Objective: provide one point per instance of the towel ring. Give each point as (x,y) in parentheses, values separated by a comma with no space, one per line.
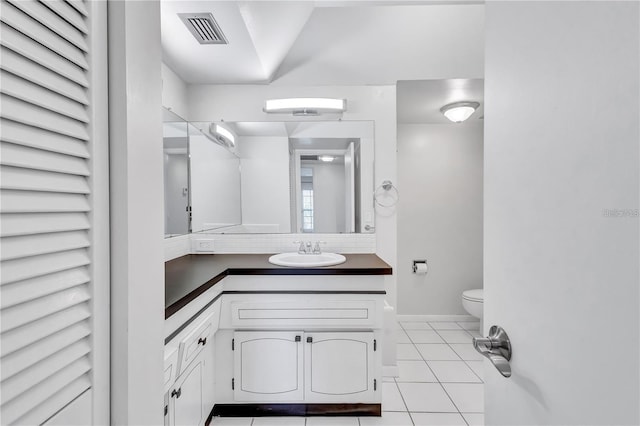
(386,190)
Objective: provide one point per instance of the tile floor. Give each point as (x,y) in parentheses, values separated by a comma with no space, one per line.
(440,383)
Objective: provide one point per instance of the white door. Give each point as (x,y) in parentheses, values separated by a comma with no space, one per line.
(561,220)
(339,367)
(268,366)
(186,396)
(54,160)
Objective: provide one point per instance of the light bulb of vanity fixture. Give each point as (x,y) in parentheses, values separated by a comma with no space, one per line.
(223,134)
(305,106)
(326,158)
(459,111)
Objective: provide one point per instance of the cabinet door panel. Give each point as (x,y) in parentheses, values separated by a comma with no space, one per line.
(268,366)
(187,398)
(339,366)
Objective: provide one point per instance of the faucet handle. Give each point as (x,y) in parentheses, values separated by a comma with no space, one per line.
(301,248)
(316,248)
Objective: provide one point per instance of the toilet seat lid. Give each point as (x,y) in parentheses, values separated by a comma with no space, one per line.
(475,295)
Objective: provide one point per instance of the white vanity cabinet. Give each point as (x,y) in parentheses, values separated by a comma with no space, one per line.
(190,354)
(274,366)
(307,346)
(186,397)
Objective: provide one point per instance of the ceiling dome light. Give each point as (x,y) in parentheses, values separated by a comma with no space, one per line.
(459,111)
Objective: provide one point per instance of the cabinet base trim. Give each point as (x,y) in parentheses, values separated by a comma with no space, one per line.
(264,410)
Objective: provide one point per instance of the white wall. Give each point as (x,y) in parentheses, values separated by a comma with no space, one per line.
(328,203)
(265,181)
(136,186)
(439,215)
(376,103)
(562,146)
(215,184)
(174,92)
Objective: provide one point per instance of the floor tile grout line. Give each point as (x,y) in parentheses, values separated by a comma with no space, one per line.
(463,360)
(437,378)
(403,401)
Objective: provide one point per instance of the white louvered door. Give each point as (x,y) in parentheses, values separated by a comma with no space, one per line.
(54,211)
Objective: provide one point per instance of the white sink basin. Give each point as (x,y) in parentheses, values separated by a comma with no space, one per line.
(307,260)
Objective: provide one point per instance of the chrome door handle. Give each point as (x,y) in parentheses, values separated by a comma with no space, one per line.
(497,348)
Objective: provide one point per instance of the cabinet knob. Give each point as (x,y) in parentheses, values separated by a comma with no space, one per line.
(176,393)
(202,341)
(297,338)
(309,339)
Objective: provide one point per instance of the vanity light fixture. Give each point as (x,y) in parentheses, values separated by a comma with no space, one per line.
(459,111)
(305,106)
(222,134)
(326,158)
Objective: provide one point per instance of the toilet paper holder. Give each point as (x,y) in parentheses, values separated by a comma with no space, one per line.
(418,262)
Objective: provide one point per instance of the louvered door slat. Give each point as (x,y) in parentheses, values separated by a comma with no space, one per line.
(33,245)
(36,180)
(31,71)
(44,410)
(23,359)
(22,134)
(68,13)
(27,91)
(31,333)
(39,202)
(33,29)
(19,292)
(17,316)
(79,6)
(45,16)
(18,42)
(16,385)
(32,158)
(42,223)
(16,408)
(15,270)
(32,115)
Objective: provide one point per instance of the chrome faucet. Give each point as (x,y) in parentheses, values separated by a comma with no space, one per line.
(301,249)
(316,248)
(304,248)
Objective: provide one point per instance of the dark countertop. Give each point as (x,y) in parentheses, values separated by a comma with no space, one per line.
(189,276)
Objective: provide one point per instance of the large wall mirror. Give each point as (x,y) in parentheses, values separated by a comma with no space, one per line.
(280,177)
(176,174)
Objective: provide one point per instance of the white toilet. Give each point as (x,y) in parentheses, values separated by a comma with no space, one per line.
(472,302)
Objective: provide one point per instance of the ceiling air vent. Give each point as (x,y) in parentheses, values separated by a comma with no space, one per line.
(203,27)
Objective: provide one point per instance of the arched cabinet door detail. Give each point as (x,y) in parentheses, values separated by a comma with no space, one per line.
(339,366)
(268,366)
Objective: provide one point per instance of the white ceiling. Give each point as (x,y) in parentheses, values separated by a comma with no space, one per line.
(420,101)
(327,42)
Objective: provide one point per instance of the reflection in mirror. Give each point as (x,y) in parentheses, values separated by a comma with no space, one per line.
(215,180)
(176,174)
(295,177)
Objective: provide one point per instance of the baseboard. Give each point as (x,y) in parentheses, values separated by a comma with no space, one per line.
(266,410)
(390,371)
(436,318)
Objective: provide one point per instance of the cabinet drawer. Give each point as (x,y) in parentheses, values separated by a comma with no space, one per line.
(352,313)
(194,342)
(170,365)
